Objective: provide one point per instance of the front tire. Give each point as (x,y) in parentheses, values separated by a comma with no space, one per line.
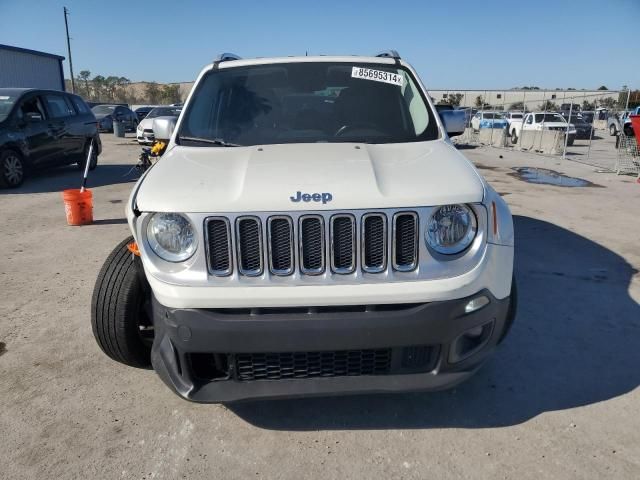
(12,169)
(613,130)
(514,138)
(120,310)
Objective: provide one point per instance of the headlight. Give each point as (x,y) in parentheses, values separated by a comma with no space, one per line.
(171,236)
(451,229)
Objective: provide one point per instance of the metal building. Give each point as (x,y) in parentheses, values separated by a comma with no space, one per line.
(23,68)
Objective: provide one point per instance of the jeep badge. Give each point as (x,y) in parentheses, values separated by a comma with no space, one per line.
(315,197)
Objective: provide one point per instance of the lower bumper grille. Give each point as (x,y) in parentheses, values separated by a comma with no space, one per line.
(246,367)
(277,366)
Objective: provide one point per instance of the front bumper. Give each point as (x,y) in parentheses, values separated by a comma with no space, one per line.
(493,272)
(426,343)
(144,137)
(584,133)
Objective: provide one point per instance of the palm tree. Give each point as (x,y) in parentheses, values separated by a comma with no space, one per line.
(83,76)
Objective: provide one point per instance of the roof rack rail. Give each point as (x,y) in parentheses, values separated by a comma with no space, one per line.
(389,54)
(225,57)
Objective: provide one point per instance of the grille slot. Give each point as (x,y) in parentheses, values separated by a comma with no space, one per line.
(249,240)
(312,250)
(278,366)
(280,245)
(374,243)
(405,244)
(343,244)
(218,243)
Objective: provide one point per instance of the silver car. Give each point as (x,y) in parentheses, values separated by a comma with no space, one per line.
(144,132)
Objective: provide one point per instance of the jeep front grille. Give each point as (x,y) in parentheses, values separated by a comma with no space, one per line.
(343,244)
(219,245)
(311,241)
(374,242)
(339,244)
(405,245)
(249,241)
(280,245)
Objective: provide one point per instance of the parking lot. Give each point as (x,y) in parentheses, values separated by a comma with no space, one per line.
(559,400)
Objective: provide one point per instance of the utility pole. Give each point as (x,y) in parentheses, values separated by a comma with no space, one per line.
(66,26)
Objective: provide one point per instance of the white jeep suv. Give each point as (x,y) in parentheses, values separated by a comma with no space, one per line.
(310,230)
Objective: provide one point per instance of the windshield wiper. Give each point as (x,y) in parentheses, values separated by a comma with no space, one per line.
(210,141)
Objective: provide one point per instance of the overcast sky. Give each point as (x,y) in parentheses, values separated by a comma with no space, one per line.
(473,44)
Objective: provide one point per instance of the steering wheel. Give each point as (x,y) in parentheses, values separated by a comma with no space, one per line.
(360,125)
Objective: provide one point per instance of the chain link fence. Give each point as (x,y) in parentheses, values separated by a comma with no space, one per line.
(577,125)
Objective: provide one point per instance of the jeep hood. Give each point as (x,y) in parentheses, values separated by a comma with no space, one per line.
(263,178)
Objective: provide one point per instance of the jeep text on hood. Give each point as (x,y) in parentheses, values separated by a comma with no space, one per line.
(309,230)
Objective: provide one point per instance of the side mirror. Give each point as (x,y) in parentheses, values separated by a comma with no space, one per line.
(453,121)
(33,117)
(163,127)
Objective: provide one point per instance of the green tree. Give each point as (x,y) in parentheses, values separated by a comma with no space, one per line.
(479,101)
(98,88)
(586,105)
(548,106)
(152,93)
(121,90)
(602,87)
(453,99)
(517,106)
(111,85)
(608,102)
(170,93)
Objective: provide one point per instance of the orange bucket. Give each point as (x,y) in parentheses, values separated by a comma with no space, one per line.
(78,206)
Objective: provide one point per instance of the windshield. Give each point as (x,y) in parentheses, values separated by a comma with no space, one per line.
(100,109)
(6,103)
(516,115)
(549,117)
(164,112)
(308,102)
(491,115)
(574,119)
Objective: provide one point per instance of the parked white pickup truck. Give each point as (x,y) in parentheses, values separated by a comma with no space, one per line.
(309,230)
(541,121)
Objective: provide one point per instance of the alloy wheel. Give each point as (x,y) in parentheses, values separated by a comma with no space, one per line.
(13,170)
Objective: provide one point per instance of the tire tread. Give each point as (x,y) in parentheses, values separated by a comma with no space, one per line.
(114,305)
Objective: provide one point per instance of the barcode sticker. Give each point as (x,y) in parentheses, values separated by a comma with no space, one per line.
(377,75)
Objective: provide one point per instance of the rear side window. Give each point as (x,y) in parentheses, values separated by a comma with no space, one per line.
(31,105)
(58,106)
(81,107)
